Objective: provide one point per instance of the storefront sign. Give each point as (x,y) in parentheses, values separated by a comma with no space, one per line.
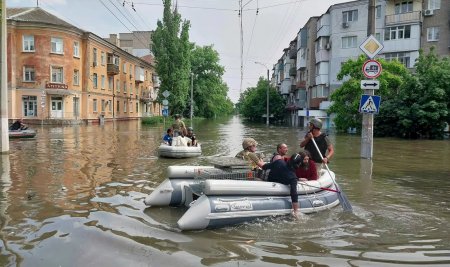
(56,86)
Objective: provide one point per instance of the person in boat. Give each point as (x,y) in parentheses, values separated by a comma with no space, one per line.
(18,125)
(249,154)
(283,172)
(168,137)
(190,134)
(282,150)
(178,126)
(323,142)
(306,169)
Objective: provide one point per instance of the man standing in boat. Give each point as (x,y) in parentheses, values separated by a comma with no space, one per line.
(178,126)
(322,141)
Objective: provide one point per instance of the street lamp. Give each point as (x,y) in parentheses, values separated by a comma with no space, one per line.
(268,86)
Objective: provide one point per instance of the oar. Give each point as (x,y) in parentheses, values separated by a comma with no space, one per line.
(346,206)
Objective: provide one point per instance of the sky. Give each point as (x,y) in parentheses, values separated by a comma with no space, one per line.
(268,26)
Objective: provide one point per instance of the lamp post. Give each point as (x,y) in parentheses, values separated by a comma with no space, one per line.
(268,86)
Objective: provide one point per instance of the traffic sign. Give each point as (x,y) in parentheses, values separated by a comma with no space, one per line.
(165,107)
(369,104)
(165,102)
(166,94)
(371,46)
(372,69)
(165,112)
(370,84)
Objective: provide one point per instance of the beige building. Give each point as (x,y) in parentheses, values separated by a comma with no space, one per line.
(61,74)
(436,27)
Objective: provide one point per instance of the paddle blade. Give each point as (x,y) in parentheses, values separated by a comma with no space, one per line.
(346,206)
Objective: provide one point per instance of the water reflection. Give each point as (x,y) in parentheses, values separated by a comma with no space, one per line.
(73,197)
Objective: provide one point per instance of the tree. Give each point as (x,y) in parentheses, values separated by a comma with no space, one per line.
(171,48)
(210,92)
(347,97)
(253,101)
(422,103)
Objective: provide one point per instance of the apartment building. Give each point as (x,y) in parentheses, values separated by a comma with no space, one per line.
(436,27)
(61,74)
(402,26)
(137,43)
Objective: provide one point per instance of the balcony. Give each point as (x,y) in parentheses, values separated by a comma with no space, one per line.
(112,69)
(293,71)
(139,75)
(409,17)
(301,84)
(293,52)
(293,88)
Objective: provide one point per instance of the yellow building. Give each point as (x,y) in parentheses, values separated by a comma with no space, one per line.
(58,73)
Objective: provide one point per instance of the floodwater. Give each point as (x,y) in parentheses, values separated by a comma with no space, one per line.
(73,196)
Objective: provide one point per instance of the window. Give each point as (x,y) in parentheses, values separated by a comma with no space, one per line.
(131,106)
(94,56)
(76,77)
(118,86)
(399,32)
(94,105)
(402,57)
(103,105)
(434,4)
(110,82)
(94,80)
(137,107)
(124,68)
(131,69)
(124,106)
(320,91)
(57,74)
(403,7)
(28,74)
(349,41)
(103,58)
(76,49)
(378,11)
(29,106)
(110,105)
(378,36)
(433,34)
(124,87)
(117,108)
(28,43)
(103,82)
(351,15)
(57,45)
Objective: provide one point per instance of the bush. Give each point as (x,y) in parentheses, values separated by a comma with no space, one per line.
(152,120)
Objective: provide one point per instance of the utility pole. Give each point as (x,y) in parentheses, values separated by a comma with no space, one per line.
(192,94)
(367,120)
(3,83)
(268,87)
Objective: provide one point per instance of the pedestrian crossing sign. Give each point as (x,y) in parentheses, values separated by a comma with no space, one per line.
(369,104)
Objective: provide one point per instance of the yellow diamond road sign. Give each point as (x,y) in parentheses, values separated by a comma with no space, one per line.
(371,46)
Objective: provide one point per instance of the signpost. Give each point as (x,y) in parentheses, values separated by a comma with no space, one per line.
(369,103)
(370,84)
(165,110)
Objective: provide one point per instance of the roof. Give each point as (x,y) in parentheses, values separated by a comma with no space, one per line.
(37,15)
(149,58)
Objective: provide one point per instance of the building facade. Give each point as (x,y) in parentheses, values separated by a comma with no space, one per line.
(61,74)
(324,43)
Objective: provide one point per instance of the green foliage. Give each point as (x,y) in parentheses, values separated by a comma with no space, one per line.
(171,48)
(152,120)
(210,92)
(412,105)
(253,102)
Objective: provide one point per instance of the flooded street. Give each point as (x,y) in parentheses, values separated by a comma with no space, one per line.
(73,196)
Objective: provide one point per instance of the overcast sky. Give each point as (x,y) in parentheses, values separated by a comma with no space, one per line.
(268,26)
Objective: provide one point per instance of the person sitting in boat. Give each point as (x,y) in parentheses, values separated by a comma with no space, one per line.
(249,154)
(282,150)
(168,137)
(307,168)
(18,125)
(284,172)
(190,134)
(178,126)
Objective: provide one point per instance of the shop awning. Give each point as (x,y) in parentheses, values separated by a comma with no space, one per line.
(58,92)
